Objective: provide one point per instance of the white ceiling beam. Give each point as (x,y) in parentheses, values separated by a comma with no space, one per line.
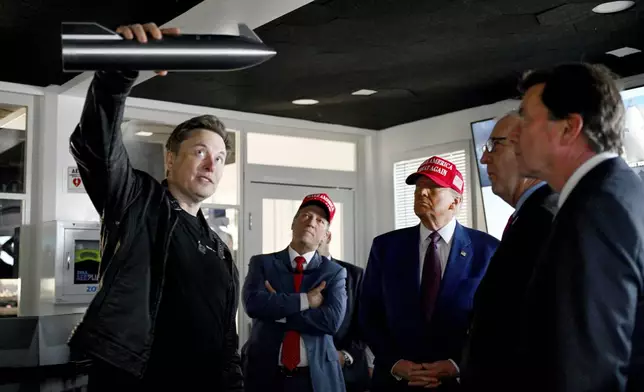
(14,116)
(207,17)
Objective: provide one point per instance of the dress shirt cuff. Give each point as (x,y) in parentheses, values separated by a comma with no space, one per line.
(304,302)
(282,320)
(458,370)
(370,357)
(350,361)
(392,371)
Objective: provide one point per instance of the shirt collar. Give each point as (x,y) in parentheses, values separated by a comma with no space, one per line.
(581,172)
(525,196)
(446,232)
(292,254)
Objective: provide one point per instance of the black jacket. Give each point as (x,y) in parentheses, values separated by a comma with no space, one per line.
(490,352)
(138,216)
(583,319)
(348,337)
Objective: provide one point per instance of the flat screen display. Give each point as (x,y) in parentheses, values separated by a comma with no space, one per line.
(496,210)
(87,260)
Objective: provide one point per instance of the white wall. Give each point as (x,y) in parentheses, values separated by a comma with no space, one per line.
(427,137)
(62,113)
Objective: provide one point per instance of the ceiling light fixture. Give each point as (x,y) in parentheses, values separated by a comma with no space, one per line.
(623,52)
(144,133)
(613,6)
(364,92)
(305,102)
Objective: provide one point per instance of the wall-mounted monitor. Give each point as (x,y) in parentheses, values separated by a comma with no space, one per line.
(634,129)
(498,211)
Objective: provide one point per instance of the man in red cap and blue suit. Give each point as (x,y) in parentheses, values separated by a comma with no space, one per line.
(419,286)
(297,300)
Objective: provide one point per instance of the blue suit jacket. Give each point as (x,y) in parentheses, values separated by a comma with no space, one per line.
(390,309)
(316,326)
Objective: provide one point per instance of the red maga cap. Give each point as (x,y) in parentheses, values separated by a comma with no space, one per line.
(441,171)
(323,200)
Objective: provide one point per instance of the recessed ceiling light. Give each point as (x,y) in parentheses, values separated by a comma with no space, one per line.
(622,52)
(143,133)
(305,102)
(613,6)
(364,92)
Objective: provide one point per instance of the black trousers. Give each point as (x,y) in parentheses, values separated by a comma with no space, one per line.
(104,377)
(297,381)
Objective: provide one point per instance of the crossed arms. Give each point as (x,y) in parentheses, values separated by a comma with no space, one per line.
(323,318)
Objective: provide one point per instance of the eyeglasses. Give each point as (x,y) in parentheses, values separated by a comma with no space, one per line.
(491,143)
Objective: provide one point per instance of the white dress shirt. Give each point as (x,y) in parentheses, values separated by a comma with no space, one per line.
(444,247)
(304,305)
(581,172)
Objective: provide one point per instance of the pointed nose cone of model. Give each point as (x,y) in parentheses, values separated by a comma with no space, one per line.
(91,47)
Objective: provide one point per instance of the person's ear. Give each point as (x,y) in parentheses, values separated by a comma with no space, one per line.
(328,237)
(170,157)
(573,126)
(455,203)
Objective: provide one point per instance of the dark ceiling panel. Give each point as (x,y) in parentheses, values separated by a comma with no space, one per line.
(425,58)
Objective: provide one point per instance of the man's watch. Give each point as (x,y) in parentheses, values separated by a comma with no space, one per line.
(348,360)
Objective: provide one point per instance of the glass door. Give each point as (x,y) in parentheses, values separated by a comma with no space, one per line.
(270,210)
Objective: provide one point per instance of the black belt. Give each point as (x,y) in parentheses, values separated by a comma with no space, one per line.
(297,372)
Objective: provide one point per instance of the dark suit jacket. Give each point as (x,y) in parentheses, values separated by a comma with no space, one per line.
(489,356)
(348,337)
(583,327)
(390,309)
(316,326)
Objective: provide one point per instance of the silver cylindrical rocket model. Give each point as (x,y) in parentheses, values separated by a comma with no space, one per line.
(90,47)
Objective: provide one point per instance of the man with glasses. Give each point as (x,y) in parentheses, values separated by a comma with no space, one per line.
(492,340)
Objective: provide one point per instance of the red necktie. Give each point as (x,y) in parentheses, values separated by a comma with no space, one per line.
(431,280)
(291,343)
(507,226)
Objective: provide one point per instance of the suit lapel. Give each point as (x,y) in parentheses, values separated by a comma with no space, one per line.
(283,264)
(310,274)
(409,263)
(457,263)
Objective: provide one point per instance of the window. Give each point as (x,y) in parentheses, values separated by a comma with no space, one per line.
(13,127)
(10,222)
(15,147)
(404,194)
(307,153)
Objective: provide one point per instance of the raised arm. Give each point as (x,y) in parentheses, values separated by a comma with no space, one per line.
(259,303)
(327,318)
(97,144)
